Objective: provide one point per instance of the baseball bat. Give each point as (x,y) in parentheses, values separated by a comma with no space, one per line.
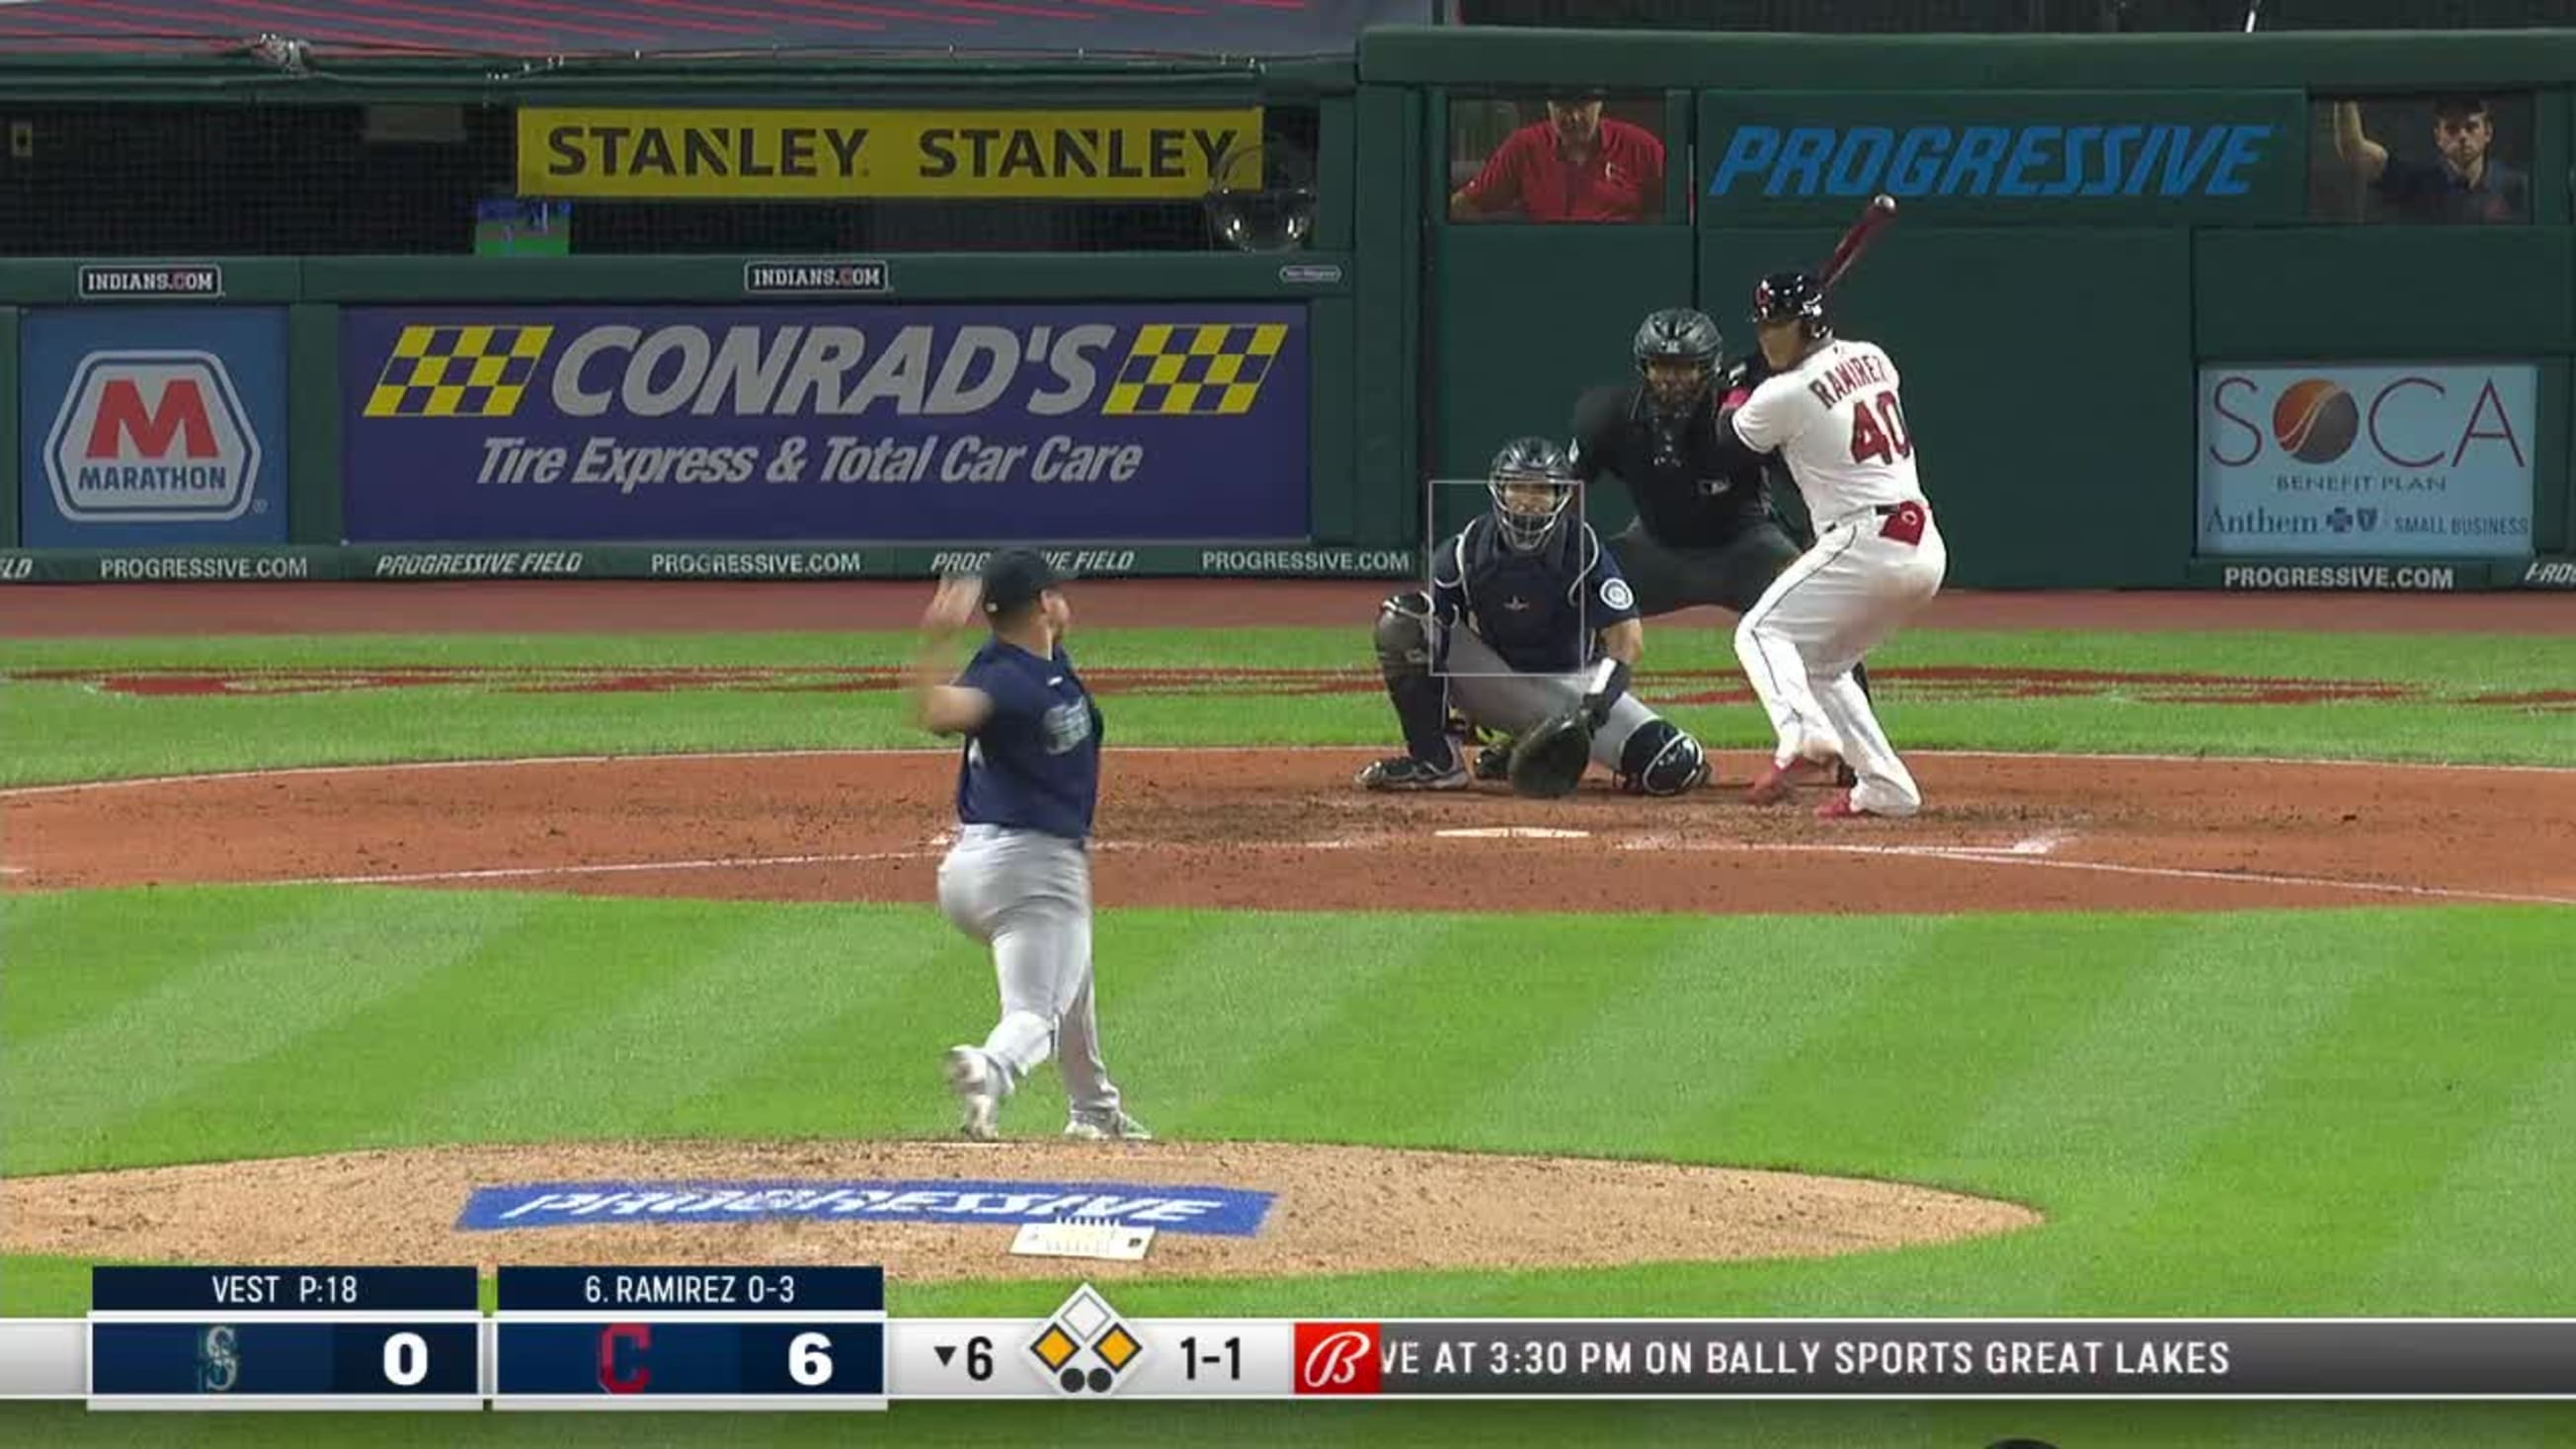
(1880,211)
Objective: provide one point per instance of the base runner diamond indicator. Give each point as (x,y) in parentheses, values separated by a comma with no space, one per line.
(1084,1345)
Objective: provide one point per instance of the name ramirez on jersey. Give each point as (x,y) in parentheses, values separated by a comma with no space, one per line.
(1837,420)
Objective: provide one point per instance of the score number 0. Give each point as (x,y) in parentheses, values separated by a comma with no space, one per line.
(406,1360)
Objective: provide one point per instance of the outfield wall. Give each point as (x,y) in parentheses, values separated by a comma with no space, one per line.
(2100,345)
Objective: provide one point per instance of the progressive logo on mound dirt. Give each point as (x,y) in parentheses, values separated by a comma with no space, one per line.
(1215,1211)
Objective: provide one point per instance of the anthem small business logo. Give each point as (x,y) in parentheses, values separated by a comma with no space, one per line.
(1339,1358)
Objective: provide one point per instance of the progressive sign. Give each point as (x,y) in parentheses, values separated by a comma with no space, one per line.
(1975,158)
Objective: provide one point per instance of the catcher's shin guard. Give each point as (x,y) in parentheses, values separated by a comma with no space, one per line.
(1421,698)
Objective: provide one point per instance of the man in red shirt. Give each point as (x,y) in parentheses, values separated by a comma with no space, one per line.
(1577,165)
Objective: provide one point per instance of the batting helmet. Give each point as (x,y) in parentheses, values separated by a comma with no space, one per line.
(1532,481)
(1792,297)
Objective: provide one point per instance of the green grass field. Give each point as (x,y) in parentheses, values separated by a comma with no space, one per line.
(2336,1113)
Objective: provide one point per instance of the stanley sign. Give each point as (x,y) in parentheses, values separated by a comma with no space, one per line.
(768,155)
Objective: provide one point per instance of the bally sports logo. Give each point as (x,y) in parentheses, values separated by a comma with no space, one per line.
(152,437)
(1339,1358)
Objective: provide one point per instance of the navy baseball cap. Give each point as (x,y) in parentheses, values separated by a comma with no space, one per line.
(1014,577)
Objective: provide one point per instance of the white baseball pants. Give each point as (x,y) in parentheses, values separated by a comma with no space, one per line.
(1028,894)
(1836,603)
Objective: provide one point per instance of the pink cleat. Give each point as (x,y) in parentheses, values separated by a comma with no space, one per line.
(1840,807)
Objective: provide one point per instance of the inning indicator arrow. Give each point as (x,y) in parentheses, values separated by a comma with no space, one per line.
(946,1351)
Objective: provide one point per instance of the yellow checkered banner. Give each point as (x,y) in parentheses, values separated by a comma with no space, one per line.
(925,423)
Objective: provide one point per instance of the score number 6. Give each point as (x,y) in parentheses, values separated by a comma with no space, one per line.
(809,1360)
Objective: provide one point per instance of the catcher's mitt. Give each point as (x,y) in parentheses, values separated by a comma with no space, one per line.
(1550,760)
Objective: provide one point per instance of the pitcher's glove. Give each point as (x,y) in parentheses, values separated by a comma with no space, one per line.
(1550,760)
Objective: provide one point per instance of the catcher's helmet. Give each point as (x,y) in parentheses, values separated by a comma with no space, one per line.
(1677,334)
(1532,481)
(1792,297)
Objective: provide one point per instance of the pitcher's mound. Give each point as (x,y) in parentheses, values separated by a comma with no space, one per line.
(1334,1210)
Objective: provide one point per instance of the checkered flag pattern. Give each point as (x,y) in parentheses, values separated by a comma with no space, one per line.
(1206,369)
(458,372)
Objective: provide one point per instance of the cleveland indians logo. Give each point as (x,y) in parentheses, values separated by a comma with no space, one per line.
(622,1350)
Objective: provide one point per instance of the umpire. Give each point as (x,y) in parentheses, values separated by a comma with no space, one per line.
(1704,534)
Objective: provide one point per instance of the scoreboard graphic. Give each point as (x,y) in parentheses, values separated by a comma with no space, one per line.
(818,1338)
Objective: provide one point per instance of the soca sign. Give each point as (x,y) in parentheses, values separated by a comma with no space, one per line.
(2431,460)
(923,424)
(157,428)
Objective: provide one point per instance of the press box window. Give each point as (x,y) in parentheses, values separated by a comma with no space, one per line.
(1571,155)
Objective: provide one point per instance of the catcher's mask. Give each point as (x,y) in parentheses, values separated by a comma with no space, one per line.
(1532,482)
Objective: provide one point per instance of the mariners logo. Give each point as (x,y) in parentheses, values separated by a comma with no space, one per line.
(1616,594)
(458,372)
(152,437)
(218,1359)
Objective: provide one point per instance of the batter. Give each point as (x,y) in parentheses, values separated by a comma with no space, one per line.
(1832,410)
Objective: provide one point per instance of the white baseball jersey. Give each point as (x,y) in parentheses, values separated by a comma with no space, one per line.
(1836,419)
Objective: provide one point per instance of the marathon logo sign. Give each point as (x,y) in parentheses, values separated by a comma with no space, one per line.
(1206,1211)
(151,437)
(928,423)
(832,155)
(152,427)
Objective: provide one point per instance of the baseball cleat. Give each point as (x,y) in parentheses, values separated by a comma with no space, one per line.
(1845,776)
(1106,1127)
(1404,772)
(1776,780)
(1840,807)
(979,1092)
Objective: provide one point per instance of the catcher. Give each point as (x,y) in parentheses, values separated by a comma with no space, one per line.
(1531,631)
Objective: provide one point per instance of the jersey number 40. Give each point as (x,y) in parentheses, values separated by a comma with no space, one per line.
(1878,430)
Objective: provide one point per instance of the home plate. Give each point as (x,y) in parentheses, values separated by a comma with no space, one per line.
(1514,832)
